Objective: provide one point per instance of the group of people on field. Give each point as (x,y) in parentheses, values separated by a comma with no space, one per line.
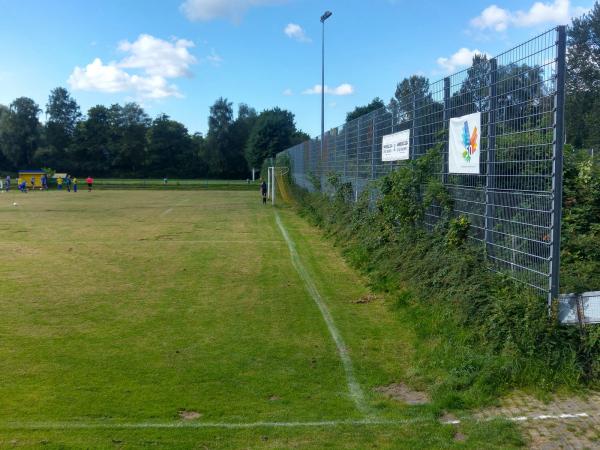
(68,181)
(71,182)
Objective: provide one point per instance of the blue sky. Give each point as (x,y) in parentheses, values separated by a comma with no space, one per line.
(178,56)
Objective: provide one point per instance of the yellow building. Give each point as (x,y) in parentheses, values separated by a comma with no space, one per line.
(27,175)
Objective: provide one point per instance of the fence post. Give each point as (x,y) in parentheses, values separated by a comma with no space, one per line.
(446,120)
(373,150)
(357,150)
(490,172)
(345,152)
(413,131)
(557,162)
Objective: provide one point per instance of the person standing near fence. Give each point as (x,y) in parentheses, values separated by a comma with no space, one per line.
(7,183)
(74,184)
(263,191)
(90,182)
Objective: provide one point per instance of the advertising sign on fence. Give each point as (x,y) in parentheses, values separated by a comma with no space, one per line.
(463,148)
(396,147)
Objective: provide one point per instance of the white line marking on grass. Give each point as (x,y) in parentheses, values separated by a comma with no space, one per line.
(169,210)
(248,425)
(559,417)
(356,391)
(224,425)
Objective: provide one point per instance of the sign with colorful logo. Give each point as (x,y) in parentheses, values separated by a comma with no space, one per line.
(464,148)
(396,147)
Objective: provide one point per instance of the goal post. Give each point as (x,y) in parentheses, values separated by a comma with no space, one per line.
(274,181)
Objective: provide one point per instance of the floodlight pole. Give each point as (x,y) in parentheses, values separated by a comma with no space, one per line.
(324,17)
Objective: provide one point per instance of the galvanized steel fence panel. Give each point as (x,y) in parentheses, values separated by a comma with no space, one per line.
(514,203)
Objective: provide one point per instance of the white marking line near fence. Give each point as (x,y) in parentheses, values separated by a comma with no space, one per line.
(559,417)
(169,210)
(249,425)
(356,391)
(195,425)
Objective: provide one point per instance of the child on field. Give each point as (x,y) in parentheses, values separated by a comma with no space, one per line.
(59,183)
(74,184)
(90,182)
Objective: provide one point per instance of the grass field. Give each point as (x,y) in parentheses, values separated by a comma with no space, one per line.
(185,184)
(124,310)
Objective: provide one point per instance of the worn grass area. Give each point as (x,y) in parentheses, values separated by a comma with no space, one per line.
(129,307)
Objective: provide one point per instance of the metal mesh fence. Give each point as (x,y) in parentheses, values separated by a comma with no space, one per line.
(513,204)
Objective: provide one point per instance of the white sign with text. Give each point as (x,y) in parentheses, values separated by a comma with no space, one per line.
(396,147)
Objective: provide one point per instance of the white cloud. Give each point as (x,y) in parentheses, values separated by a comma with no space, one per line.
(214,58)
(158,57)
(205,10)
(462,58)
(540,13)
(294,31)
(110,78)
(492,17)
(342,89)
(153,62)
(288,92)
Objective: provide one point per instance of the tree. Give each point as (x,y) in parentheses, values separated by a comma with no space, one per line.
(219,139)
(129,124)
(63,114)
(20,132)
(240,132)
(583,80)
(274,132)
(91,151)
(475,90)
(408,92)
(5,164)
(170,149)
(376,104)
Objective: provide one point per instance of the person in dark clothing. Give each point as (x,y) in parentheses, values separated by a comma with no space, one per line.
(263,191)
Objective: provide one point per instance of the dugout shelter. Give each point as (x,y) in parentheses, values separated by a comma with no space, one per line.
(27,175)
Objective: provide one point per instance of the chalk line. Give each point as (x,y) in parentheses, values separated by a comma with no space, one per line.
(356,391)
(266,424)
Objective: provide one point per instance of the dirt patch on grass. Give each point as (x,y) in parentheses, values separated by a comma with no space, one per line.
(367,298)
(459,437)
(402,393)
(189,415)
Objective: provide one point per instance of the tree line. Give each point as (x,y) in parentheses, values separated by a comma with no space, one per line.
(124,141)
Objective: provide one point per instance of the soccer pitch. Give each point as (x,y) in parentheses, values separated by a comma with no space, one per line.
(190,319)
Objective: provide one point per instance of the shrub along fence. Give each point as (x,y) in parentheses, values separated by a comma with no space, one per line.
(499,128)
